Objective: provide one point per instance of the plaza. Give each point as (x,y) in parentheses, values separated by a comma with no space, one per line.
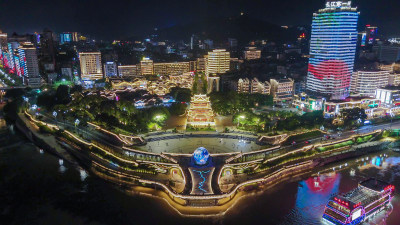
(214,142)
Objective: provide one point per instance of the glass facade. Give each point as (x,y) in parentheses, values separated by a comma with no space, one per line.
(332,50)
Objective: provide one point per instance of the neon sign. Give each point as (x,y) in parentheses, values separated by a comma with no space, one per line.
(343,203)
(337,4)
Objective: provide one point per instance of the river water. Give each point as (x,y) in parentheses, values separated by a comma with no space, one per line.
(36,189)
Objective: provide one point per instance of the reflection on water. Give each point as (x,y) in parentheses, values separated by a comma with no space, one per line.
(312,195)
(37,189)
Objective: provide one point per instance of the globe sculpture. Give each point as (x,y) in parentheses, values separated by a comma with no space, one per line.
(201,156)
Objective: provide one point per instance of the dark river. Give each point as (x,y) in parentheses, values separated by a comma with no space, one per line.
(35,189)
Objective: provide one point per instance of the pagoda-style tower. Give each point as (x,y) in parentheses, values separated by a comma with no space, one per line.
(200,113)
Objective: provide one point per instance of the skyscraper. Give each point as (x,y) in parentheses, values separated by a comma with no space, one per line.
(332,49)
(28,63)
(65,38)
(218,61)
(47,47)
(146,66)
(90,65)
(110,69)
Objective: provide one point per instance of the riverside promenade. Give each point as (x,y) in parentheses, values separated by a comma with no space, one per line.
(171,179)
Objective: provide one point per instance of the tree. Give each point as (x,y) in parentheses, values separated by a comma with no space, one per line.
(177,108)
(46,100)
(353,116)
(76,88)
(15,93)
(181,94)
(62,95)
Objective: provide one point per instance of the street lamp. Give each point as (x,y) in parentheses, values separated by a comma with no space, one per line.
(55,116)
(76,123)
(240,117)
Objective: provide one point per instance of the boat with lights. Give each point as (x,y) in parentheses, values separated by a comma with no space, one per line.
(358,205)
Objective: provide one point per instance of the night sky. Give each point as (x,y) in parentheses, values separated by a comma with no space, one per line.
(109,19)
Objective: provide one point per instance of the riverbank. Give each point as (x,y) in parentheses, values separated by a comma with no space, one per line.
(188,205)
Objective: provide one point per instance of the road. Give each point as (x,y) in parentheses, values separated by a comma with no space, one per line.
(88,132)
(93,134)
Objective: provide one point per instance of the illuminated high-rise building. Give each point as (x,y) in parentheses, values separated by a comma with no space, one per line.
(146,66)
(28,64)
(129,71)
(218,61)
(332,49)
(47,47)
(110,69)
(91,68)
(65,38)
(171,68)
(252,53)
(365,82)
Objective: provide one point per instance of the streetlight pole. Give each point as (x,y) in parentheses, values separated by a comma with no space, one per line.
(240,117)
(76,124)
(55,117)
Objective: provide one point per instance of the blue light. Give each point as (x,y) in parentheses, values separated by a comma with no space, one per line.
(200,187)
(201,156)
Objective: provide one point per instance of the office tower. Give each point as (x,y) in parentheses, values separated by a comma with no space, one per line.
(129,71)
(252,53)
(332,49)
(13,57)
(110,69)
(28,64)
(282,90)
(218,61)
(201,64)
(194,42)
(75,36)
(365,82)
(175,68)
(192,66)
(90,65)
(65,38)
(386,53)
(146,66)
(47,48)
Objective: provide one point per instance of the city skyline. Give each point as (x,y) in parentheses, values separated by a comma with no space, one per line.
(124,19)
(283,112)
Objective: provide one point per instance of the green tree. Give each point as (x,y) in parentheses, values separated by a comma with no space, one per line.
(353,116)
(62,95)
(180,94)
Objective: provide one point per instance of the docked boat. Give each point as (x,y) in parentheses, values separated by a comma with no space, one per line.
(358,205)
